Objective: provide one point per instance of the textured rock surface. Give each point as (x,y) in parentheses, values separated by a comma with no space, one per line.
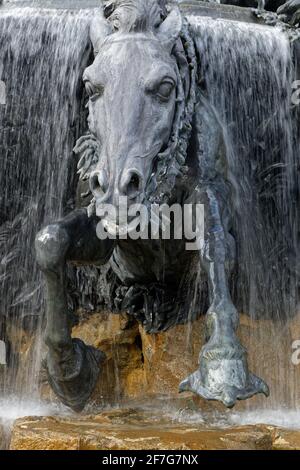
(286,439)
(139,366)
(130,430)
(119,338)
(2,436)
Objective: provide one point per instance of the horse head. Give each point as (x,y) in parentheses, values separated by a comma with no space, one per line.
(141,89)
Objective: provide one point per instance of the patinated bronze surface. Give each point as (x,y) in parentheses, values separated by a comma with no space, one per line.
(153,138)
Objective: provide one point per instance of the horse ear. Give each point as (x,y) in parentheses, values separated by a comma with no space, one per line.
(99,30)
(170,28)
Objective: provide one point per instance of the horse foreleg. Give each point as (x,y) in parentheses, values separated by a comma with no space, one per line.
(72,367)
(223,371)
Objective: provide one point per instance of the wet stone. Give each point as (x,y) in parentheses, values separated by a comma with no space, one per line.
(131,430)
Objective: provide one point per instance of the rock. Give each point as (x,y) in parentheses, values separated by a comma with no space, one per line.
(43,434)
(269,346)
(20,354)
(171,356)
(119,338)
(140,365)
(131,430)
(3,436)
(284,439)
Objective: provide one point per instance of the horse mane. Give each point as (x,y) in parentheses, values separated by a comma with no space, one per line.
(146,15)
(134,15)
(171,162)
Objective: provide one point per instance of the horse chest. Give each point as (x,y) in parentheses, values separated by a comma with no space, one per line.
(149,261)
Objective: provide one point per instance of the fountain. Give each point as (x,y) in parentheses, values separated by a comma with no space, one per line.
(235,129)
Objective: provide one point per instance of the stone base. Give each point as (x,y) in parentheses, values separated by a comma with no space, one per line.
(143,371)
(136,430)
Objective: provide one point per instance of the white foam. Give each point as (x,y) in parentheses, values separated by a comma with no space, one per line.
(283,418)
(14,407)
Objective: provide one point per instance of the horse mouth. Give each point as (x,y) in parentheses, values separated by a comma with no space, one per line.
(117,229)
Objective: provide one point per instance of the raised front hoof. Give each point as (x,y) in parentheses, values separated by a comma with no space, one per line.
(74,382)
(224,380)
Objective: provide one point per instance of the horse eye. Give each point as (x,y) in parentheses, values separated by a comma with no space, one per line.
(92,91)
(165,89)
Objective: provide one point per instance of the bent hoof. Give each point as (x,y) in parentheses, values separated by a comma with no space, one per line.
(75,384)
(225,379)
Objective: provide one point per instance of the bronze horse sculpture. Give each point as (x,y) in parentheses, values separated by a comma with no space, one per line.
(152,138)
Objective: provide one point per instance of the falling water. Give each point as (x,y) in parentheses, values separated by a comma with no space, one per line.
(248,72)
(42,56)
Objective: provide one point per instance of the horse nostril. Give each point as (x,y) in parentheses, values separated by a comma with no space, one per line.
(134,185)
(94,183)
(98,183)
